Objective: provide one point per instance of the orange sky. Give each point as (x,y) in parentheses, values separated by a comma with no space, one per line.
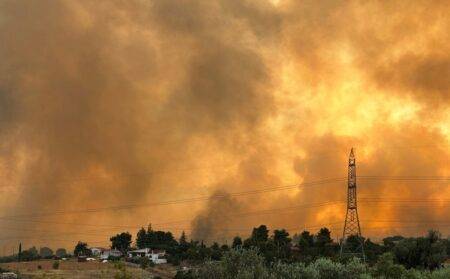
(119,106)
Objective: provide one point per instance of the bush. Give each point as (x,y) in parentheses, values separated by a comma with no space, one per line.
(122,272)
(55,264)
(235,264)
(328,269)
(386,268)
(293,271)
(243,264)
(174,260)
(144,262)
(443,273)
(113,259)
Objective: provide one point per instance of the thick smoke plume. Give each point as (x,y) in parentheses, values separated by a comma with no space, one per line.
(132,103)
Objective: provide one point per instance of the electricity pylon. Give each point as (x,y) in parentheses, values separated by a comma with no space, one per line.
(351,226)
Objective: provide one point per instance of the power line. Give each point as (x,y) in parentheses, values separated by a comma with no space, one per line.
(236,215)
(221,196)
(186,200)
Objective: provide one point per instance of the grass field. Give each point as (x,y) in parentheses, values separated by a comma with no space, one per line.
(72,269)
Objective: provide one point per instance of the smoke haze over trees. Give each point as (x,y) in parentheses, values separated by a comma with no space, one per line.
(117,103)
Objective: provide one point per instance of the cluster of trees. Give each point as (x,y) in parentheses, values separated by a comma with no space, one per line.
(145,239)
(428,252)
(249,263)
(155,239)
(32,254)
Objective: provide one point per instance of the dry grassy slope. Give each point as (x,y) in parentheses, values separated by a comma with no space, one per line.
(75,270)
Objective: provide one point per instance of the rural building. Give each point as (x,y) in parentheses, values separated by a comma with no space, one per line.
(97,251)
(110,253)
(156,256)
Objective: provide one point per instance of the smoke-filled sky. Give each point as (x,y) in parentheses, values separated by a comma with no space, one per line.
(109,109)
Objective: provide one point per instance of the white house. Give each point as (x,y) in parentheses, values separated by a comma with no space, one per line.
(156,256)
(97,251)
(110,253)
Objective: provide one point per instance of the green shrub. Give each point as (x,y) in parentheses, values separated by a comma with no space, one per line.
(385,267)
(293,271)
(249,264)
(443,273)
(55,264)
(328,269)
(122,272)
(144,262)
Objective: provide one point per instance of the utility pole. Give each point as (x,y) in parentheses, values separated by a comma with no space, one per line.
(352,229)
(19,255)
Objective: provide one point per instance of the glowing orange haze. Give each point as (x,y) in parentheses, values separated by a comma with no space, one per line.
(113,103)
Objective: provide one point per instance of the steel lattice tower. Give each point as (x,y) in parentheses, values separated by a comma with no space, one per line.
(351,225)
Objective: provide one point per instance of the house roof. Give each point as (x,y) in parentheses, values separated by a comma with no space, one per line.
(145,250)
(99,248)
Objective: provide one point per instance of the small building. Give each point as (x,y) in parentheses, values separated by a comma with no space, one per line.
(97,251)
(110,253)
(156,256)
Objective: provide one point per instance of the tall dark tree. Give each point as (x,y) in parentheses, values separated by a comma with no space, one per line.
(19,256)
(260,234)
(323,242)
(281,237)
(259,237)
(323,237)
(282,242)
(306,240)
(121,242)
(183,240)
(141,238)
(81,249)
(237,242)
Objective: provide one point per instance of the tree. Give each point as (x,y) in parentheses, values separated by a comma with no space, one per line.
(437,251)
(81,249)
(260,234)
(427,252)
(306,246)
(183,243)
(61,253)
(306,240)
(237,242)
(216,252)
(30,254)
(323,237)
(389,242)
(372,251)
(45,252)
(258,238)
(183,240)
(281,240)
(141,238)
(281,237)
(324,243)
(121,242)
